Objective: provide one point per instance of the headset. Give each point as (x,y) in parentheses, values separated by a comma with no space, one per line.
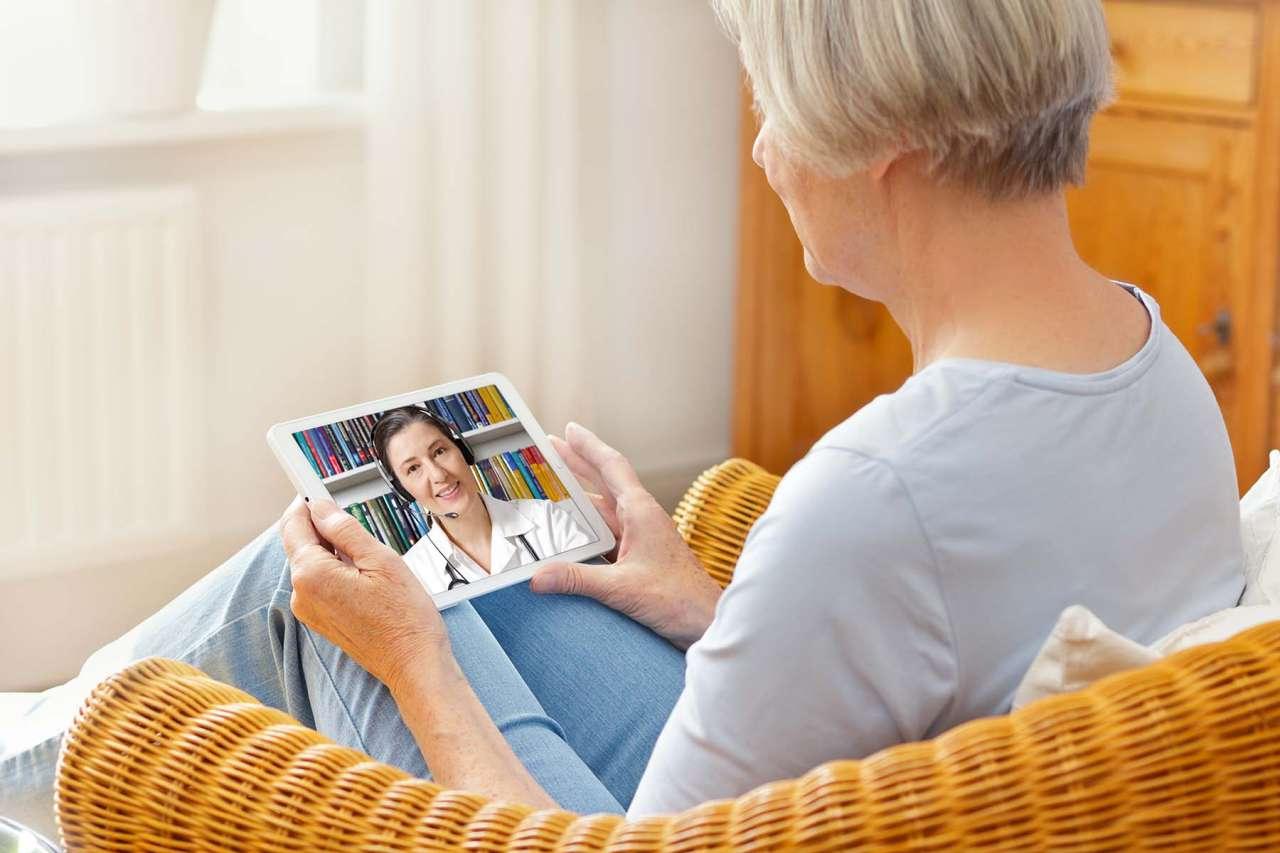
(456,578)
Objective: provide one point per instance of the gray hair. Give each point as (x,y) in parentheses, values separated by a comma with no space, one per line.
(998,93)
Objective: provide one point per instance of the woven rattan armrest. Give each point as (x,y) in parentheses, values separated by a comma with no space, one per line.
(719,508)
(1183,754)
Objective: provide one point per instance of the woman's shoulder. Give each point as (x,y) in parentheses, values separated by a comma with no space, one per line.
(893,422)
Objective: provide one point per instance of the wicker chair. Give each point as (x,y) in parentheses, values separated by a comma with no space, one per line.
(1184,754)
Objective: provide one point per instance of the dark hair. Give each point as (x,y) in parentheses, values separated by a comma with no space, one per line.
(393,421)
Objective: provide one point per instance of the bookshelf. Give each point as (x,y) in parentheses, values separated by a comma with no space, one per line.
(363,483)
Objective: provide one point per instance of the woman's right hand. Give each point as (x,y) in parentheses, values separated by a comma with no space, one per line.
(656,579)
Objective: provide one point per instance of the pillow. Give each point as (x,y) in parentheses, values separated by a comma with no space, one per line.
(1081,648)
(1259,522)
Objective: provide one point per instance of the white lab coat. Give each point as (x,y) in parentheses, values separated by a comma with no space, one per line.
(550,529)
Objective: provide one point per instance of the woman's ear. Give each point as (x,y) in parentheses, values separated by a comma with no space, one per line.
(883,165)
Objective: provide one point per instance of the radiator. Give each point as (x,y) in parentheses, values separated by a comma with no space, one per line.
(100,350)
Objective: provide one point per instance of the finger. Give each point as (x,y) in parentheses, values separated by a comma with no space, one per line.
(296,530)
(616,473)
(588,476)
(341,529)
(608,511)
(573,579)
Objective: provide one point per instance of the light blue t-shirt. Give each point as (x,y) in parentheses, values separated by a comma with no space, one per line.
(911,565)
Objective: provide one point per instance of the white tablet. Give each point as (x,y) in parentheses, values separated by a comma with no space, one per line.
(459,479)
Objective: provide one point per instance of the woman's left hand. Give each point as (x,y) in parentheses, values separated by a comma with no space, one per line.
(373,607)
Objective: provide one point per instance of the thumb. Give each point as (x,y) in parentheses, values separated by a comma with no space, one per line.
(572,579)
(341,530)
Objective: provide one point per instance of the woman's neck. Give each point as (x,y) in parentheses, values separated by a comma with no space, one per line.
(1003,282)
(471,531)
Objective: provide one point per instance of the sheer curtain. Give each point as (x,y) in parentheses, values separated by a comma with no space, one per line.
(480,195)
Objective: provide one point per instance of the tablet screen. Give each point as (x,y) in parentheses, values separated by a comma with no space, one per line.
(455,482)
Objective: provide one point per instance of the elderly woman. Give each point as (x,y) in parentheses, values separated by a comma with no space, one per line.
(1055,445)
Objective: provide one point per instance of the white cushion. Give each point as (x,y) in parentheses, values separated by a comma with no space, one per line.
(1259,524)
(1081,649)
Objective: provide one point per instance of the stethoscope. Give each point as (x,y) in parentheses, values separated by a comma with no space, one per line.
(456,577)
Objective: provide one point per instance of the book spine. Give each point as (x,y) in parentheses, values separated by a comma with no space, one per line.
(407,528)
(366,440)
(357,446)
(540,473)
(527,473)
(358,511)
(507,414)
(396,542)
(318,450)
(489,419)
(480,404)
(366,434)
(419,520)
(467,406)
(458,415)
(330,452)
(488,480)
(306,451)
(500,487)
(479,478)
(518,487)
(515,481)
(490,410)
(384,532)
(366,518)
(552,477)
(344,455)
(500,476)
(466,411)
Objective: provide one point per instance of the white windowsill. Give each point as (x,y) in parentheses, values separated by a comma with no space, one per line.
(330,112)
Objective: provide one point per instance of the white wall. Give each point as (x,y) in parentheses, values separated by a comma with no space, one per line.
(671,229)
(284,237)
(283,226)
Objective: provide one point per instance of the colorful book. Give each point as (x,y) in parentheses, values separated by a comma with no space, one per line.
(344,453)
(357,443)
(380,506)
(459,415)
(465,405)
(477,403)
(321,452)
(500,402)
(523,466)
(306,451)
(330,452)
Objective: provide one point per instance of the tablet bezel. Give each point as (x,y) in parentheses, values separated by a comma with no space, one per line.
(305,480)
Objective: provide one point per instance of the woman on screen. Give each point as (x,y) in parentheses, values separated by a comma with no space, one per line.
(471,535)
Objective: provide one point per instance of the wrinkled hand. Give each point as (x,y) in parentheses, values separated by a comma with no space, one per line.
(363,599)
(656,579)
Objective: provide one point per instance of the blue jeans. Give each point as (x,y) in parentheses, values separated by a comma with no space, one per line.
(579,691)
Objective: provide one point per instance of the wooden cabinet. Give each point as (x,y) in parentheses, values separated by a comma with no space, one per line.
(1182,198)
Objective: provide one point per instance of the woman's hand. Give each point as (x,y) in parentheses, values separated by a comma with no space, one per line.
(656,579)
(372,606)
